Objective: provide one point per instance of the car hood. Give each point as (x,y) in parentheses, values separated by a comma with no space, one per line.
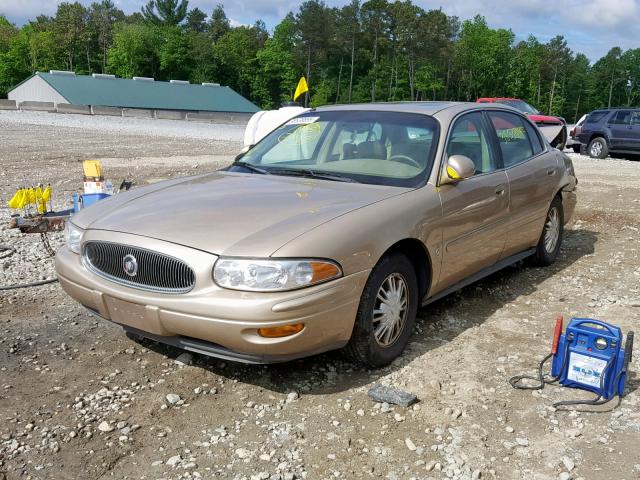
(230,213)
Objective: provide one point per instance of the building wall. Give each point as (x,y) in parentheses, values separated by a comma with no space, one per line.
(36,90)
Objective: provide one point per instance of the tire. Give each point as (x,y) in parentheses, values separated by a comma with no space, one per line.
(576,147)
(598,148)
(371,343)
(551,237)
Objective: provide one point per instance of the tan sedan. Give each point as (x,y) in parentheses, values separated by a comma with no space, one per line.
(330,232)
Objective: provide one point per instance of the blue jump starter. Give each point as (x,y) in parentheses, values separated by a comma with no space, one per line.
(590,356)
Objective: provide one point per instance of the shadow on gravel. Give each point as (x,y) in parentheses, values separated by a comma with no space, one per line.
(449,317)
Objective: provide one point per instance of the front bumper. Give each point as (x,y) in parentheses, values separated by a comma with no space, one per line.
(215,321)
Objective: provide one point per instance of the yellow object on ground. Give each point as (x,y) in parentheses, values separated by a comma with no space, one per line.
(16,200)
(92,168)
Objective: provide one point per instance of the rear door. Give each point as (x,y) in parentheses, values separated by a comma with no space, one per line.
(475,210)
(533,174)
(621,130)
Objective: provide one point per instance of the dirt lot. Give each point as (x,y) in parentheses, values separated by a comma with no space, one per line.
(78,399)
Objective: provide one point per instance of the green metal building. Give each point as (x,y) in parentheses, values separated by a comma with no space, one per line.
(140,92)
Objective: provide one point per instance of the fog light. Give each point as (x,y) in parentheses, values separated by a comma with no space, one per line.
(280,331)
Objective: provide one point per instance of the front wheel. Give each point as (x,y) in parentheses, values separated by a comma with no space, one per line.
(551,238)
(576,147)
(387,312)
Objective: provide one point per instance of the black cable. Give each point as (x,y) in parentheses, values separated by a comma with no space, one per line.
(515,381)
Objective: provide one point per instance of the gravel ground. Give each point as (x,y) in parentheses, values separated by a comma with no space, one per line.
(78,399)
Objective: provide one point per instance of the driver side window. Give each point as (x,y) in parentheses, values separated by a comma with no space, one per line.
(469,138)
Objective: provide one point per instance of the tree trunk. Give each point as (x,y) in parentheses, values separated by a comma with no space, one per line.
(575,117)
(375,68)
(553,89)
(610,90)
(306,95)
(353,49)
(339,80)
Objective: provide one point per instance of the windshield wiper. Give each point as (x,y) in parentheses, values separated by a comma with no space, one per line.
(250,166)
(313,174)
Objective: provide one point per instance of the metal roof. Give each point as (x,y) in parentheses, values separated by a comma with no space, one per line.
(121,92)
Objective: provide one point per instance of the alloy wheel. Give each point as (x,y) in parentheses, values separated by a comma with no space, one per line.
(552,230)
(390,311)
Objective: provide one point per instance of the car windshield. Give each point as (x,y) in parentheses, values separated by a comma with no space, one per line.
(521,105)
(382,148)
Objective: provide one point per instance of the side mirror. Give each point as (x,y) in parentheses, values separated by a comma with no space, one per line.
(244,150)
(458,167)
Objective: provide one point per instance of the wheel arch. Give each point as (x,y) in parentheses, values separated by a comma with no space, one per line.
(419,256)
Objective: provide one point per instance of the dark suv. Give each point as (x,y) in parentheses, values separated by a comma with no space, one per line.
(611,130)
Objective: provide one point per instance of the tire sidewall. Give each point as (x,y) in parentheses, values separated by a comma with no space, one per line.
(605,149)
(544,257)
(376,355)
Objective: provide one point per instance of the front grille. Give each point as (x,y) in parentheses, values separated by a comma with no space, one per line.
(155,271)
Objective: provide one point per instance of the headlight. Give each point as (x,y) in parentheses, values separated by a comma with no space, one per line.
(272,275)
(72,237)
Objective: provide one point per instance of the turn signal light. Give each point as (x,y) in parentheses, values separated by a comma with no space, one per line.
(280,331)
(323,271)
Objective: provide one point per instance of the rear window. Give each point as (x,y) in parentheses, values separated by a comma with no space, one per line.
(595,117)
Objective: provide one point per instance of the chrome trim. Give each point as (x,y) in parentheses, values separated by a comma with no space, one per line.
(157,272)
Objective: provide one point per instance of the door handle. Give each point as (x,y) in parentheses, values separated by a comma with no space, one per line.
(551,172)
(500,190)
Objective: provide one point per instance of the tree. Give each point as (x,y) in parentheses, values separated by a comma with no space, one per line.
(235,54)
(314,29)
(102,18)
(70,27)
(135,50)
(218,23)
(196,21)
(174,54)
(165,12)
(277,73)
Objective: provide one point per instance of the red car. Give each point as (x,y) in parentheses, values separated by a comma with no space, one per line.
(553,128)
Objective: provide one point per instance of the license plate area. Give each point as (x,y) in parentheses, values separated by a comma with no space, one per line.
(142,317)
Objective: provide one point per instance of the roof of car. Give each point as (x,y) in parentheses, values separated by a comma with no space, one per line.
(425,108)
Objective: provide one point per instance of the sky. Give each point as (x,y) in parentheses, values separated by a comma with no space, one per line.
(591,27)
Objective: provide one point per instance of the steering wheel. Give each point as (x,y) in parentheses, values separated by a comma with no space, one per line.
(405,159)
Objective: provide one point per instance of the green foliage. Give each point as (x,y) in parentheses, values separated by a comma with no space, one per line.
(135,50)
(165,12)
(377,50)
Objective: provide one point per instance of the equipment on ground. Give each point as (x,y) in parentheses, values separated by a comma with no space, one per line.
(37,214)
(589,356)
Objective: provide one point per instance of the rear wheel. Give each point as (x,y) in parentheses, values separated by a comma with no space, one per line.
(576,147)
(387,312)
(551,238)
(598,148)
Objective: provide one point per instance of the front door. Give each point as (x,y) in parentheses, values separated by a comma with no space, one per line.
(475,210)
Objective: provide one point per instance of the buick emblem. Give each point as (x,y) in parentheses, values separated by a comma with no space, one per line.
(130,265)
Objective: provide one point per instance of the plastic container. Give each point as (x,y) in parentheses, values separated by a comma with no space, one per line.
(91,198)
